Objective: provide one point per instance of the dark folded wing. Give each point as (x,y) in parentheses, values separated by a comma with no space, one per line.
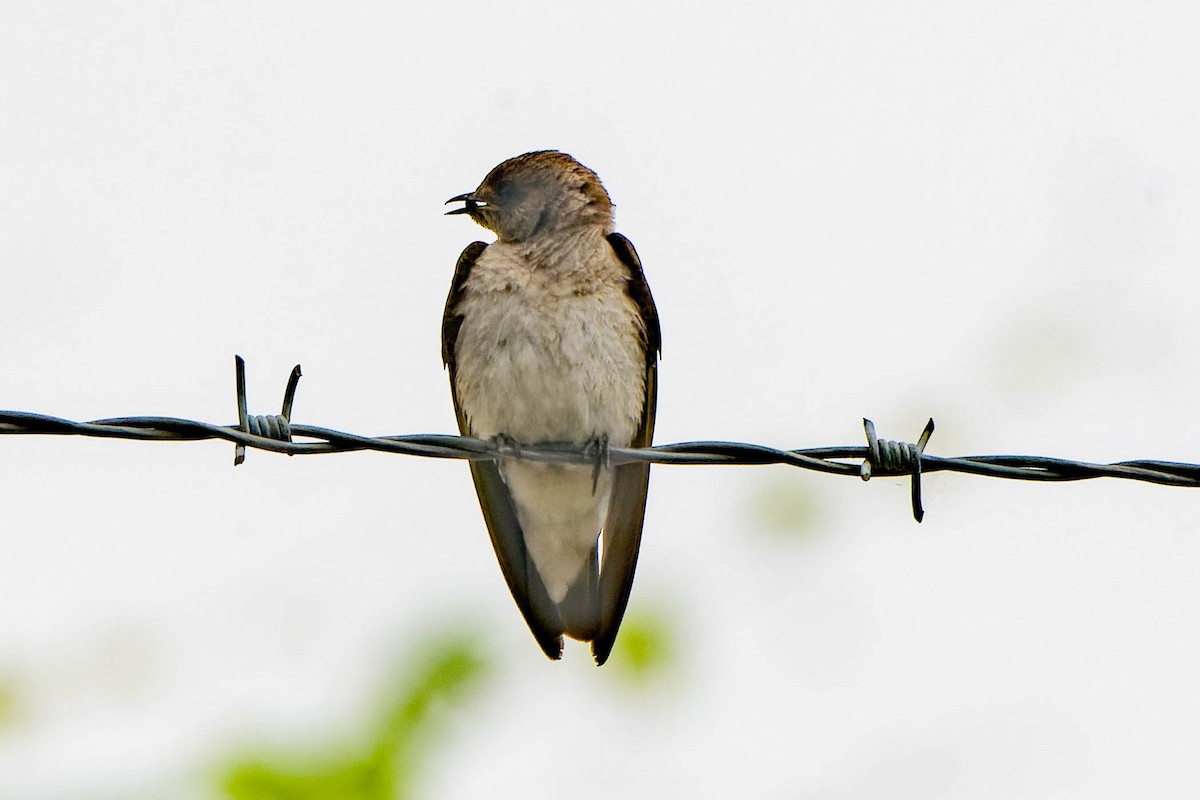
(627,510)
(499,514)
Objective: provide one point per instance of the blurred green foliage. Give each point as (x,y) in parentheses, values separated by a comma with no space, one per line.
(9,700)
(645,649)
(444,675)
(785,509)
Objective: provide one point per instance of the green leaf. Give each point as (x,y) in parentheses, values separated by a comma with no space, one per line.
(442,675)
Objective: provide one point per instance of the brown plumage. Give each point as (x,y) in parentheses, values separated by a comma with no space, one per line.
(551,334)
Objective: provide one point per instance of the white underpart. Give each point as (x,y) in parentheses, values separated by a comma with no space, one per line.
(561,518)
(549,351)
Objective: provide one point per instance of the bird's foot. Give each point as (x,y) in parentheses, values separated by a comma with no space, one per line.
(597,450)
(505,445)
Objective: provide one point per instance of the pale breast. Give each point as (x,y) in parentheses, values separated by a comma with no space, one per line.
(552,352)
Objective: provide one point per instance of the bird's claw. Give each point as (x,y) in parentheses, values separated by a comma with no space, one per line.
(505,445)
(597,450)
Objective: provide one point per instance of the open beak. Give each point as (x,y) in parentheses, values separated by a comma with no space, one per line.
(468,199)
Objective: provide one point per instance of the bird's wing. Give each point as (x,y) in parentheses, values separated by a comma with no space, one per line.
(627,509)
(499,513)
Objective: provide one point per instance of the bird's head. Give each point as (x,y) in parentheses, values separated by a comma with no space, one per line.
(535,194)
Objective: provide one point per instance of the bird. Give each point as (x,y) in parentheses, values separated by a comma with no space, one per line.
(550,335)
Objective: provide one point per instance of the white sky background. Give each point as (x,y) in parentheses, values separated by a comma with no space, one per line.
(988,214)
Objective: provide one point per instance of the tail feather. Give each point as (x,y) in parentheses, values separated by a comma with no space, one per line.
(579,609)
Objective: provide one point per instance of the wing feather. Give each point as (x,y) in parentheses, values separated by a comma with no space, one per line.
(627,509)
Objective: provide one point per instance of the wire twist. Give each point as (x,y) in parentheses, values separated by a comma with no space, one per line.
(896,458)
(270,426)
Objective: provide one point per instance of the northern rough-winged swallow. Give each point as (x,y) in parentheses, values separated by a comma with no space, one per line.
(551,335)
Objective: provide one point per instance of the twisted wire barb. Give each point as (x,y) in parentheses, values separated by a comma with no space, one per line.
(879,458)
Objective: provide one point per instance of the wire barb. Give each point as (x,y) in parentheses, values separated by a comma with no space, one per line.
(269,426)
(896,458)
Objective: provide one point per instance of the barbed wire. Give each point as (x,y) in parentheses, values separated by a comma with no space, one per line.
(879,458)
